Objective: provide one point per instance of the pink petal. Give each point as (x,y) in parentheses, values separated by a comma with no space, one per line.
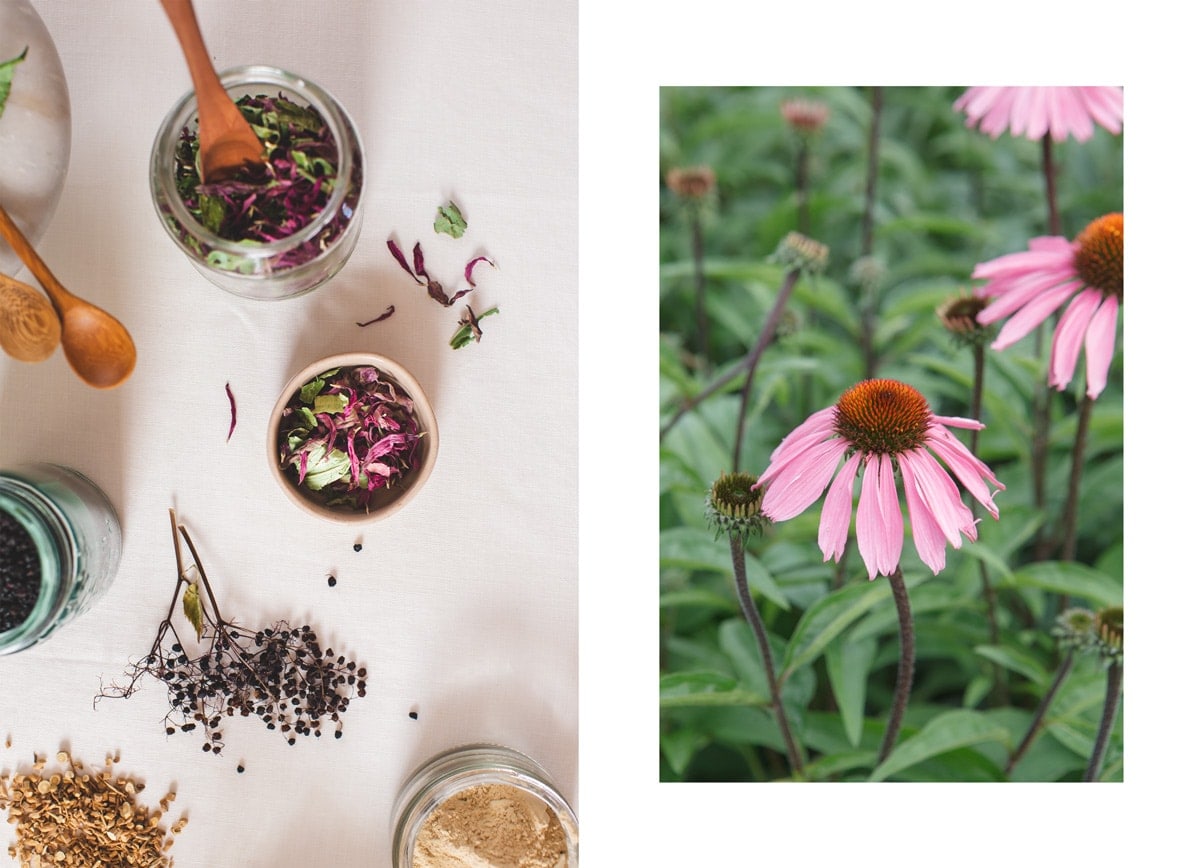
(813,430)
(801,481)
(892,538)
(1100,344)
(1047,251)
(1028,317)
(938,491)
(958,422)
(1106,105)
(970,471)
(870,523)
(835,515)
(1034,112)
(1068,337)
(928,537)
(1014,293)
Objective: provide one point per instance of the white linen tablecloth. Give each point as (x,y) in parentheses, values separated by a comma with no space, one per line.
(463,606)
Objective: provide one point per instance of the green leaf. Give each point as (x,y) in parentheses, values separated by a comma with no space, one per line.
(946,732)
(326,467)
(1072,579)
(191,608)
(7,68)
(332,404)
(684,689)
(696,549)
(310,390)
(449,221)
(1016,659)
(848,664)
(828,618)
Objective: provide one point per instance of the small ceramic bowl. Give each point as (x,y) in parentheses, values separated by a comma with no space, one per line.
(384,501)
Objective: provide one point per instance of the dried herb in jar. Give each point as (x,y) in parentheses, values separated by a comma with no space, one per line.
(261,204)
(20,573)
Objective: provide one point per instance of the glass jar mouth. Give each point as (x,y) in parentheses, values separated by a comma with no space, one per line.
(457,769)
(183,114)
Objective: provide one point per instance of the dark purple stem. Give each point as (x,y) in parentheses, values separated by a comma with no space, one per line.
(906,665)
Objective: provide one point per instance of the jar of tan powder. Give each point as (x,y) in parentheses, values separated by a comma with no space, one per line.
(483,806)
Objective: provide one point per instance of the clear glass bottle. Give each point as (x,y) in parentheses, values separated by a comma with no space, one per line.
(461,768)
(73,528)
(289,266)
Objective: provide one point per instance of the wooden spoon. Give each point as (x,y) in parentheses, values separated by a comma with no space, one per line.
(227,143)
(98,348)
(29,327)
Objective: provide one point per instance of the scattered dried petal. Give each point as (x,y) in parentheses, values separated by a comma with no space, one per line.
(232,412)
(391,309)
(471,267)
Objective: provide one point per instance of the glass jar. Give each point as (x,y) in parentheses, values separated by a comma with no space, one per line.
(449,774)
(289,266)
(35,126)
(69,530)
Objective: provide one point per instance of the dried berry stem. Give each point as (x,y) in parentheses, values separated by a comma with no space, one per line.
(750,611)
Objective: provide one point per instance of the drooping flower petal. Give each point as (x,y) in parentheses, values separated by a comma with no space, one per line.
(928,537)
(835,515)
(1099,344)
(970,471)
(1033,314)
(938,491)
(788,497)
(891,538)
(1068,336)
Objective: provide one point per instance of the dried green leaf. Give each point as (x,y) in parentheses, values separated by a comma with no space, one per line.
(7,68)
(191,607)
(449,221)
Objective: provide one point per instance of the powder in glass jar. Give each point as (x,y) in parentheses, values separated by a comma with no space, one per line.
(20,573)
(491,826)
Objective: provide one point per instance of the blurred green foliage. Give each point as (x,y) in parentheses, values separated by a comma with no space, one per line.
(946,198)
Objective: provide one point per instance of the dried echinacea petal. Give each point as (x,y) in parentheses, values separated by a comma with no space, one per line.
(75,816)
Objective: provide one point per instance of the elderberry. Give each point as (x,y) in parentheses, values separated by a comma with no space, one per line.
(20,573)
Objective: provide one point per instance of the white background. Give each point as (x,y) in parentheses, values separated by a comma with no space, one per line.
(626,51)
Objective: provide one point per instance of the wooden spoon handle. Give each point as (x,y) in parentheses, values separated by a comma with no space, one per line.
(182,16)
(20,244)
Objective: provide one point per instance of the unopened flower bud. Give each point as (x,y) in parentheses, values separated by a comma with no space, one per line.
(799,252)
(734,505)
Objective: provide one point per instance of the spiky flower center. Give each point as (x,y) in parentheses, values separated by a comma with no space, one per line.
(882,416)
(1111,629)
(1101,257)
(735,505)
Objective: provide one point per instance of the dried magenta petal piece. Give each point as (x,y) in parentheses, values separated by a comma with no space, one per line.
(391,309)
(232,412)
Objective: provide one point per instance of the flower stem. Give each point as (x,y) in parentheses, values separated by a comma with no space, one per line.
(1039,715)
(1111,700)
(701,307)
(802,184)
(1052,219)
(868,228)
(904,672)
(989,593)
(764,648)
(1041,397)
(764,339)
(1071,510)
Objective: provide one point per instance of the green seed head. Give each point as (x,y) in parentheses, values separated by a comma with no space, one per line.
(734,505)
(800,253)
(1110,630)
(1076,628)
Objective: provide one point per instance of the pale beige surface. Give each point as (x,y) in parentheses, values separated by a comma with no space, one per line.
(463,606)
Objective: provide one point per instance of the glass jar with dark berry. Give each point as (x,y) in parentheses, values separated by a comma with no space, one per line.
(60,544)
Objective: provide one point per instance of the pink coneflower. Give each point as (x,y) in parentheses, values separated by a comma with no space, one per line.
(1030,285)
(1034,111)
(874,424)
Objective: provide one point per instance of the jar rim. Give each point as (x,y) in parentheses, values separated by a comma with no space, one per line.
(460,768)
(340,126)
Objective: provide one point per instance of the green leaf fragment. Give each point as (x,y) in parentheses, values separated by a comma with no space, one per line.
(326,467)
(449,221)
(330,403)
(7,68)
(192,609)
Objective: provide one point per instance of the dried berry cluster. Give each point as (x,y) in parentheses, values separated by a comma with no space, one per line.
(280,674)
